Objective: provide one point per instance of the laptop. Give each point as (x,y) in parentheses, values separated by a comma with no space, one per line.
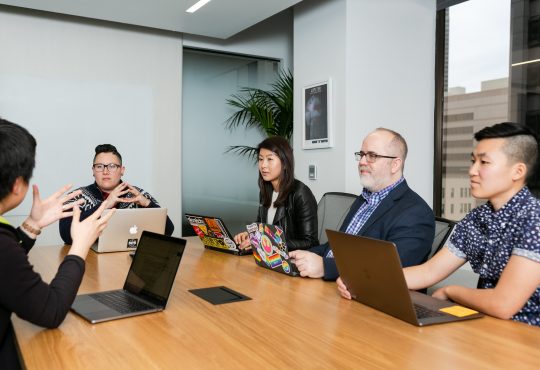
(148,282)
(125,227)
(214,234)
(270,249)
(371,270)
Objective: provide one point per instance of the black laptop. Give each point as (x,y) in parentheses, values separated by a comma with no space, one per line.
(148,283)
(371,270)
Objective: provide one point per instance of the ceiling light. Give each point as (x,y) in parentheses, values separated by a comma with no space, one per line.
(199,4)
(526,62)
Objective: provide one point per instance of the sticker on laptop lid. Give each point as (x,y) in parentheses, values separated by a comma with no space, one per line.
(458,311)
(132,243)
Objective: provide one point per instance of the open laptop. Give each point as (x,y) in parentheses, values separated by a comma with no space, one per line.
(126,225)
(148,282)
(270,249)
(372,272)
(214,234)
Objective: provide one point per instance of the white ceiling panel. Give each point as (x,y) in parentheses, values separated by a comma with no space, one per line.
(218,18)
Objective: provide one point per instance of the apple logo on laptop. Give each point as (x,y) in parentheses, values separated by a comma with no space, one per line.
(133,230)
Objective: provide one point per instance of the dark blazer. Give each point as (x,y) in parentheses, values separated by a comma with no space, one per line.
(403,218)
(297,217)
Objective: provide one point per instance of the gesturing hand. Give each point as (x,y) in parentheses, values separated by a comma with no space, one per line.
(115,196)
(84,233)
(137,198)
(46,211)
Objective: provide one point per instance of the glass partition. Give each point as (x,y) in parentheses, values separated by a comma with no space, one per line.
(216,183)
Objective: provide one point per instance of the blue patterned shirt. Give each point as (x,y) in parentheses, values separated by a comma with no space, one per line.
(366,210)
(488,238)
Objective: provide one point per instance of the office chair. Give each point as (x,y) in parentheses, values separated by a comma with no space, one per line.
(331,211)
(443,230)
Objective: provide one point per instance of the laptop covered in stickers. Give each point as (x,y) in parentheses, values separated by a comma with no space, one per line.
(214,234)
(270,248)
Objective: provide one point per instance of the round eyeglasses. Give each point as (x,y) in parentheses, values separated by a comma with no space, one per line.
(370,156)
(100,167)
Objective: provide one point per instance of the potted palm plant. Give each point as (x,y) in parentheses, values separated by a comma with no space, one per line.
(269,111)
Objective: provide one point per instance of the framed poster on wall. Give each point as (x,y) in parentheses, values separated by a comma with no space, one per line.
(317,125)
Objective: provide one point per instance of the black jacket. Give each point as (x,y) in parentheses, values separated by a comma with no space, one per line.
(297,217)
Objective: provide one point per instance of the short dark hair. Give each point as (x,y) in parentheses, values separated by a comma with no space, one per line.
(17,155)
(283,150)
(521,142)
(107,148)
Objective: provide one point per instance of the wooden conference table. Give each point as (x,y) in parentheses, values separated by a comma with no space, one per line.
(289,323)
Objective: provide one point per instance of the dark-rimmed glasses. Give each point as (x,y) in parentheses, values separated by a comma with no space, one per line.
(100,167)
(370,156)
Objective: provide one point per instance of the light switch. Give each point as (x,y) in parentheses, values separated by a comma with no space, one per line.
(312,172)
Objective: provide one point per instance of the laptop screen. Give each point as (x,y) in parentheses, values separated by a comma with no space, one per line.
(154,267)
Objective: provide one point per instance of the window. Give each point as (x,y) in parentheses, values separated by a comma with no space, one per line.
(477,86)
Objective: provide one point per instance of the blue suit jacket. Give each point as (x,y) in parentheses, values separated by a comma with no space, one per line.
(403,218)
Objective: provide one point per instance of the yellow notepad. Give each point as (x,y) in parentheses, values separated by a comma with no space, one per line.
(458,311)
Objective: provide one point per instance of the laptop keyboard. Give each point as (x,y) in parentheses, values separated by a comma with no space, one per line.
(121,302)
(424,312)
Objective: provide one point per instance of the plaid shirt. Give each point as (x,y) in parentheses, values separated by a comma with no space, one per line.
(366,210)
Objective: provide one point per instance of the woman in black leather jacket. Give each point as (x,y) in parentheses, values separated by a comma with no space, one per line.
(284,201)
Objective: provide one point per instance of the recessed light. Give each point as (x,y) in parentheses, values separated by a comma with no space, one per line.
(199,4)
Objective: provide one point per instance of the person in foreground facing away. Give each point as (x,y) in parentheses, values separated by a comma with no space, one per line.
(21,290)
(387,209)
(284,201)
(109,189)
(500,239)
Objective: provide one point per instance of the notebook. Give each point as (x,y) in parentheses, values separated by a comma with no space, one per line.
(372,272)
(270,249)
(148,282)
(214,234)
(126,225)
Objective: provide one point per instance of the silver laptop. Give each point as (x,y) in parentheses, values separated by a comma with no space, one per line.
(148,282)
(372,272)
(126,225)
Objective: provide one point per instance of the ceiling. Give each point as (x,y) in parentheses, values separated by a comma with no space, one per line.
(218,18)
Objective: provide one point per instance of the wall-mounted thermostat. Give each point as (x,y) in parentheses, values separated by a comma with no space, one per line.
(312,172)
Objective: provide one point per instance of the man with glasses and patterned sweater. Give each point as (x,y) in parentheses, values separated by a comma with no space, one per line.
(110,189)
(387,209)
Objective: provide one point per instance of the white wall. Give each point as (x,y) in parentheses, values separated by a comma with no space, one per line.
(319,54)
(271,38)
(380,57)
(75,84)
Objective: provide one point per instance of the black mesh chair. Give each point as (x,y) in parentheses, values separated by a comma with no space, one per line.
(331,211)
(443,230)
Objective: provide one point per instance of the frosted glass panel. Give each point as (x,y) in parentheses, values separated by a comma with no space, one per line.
(215,183)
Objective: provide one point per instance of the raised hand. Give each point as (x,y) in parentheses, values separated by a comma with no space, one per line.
(137,198)
(116,195)
(84,233)
(46,211)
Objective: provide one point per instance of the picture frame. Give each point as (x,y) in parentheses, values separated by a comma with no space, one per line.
(316,115)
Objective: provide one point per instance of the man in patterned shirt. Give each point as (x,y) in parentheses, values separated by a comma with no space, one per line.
(387,209)
(110,189)
(500,239)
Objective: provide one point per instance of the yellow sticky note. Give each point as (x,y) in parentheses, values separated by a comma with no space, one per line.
(458,311)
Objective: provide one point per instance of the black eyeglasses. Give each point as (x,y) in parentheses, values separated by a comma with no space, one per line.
(370,156)
(100,167)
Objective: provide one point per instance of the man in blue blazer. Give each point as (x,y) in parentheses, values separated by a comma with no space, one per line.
(387,209)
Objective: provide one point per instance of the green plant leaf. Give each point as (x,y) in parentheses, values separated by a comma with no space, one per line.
(271,111)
